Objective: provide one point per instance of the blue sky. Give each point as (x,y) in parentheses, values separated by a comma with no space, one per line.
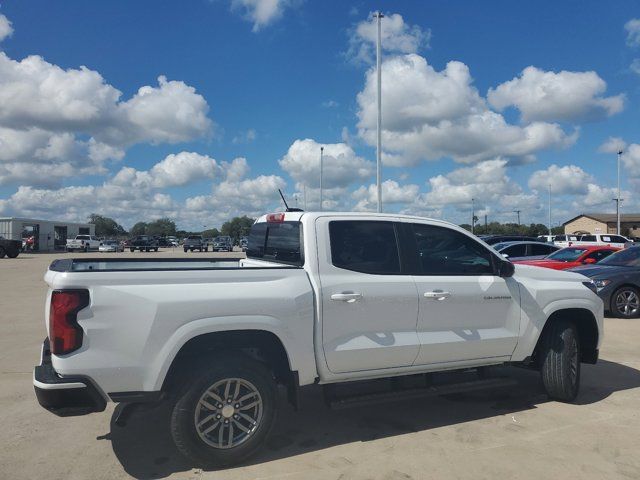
(249,78)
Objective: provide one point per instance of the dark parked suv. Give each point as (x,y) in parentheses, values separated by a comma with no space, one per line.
(194,242)
(222,244)
(144,243)
(10,248)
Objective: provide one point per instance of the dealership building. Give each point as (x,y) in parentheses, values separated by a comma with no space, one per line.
(604,223)
(48,235)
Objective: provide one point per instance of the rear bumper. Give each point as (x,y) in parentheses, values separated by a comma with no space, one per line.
(64,396)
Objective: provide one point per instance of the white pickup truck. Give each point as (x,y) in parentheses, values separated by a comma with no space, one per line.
(322,298)
(83,243)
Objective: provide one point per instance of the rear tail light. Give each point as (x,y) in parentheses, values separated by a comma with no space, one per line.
(65,335)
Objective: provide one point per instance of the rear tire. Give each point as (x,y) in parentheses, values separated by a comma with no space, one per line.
(11,254)
(625,302)
(2,252)
(132,249)
(561,361)
(155,249)
(213,443)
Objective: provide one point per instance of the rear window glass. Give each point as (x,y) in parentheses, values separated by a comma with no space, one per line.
(276,242)
(588,238)
(364,246)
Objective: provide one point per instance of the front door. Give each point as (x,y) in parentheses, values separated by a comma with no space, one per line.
(467,312)
(369,308)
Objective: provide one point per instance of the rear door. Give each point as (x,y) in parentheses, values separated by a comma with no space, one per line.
(466,311)
(369,305)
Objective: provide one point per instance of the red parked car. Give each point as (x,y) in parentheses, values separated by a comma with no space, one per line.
(572,257)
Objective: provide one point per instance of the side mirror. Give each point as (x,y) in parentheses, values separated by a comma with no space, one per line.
(506,269)
(589,260)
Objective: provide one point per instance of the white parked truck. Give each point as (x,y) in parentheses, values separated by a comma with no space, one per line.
(322,298)
(83,243)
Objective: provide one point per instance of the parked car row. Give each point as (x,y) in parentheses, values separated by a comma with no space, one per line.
(614,269)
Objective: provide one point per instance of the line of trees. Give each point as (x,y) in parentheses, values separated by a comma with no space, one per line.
(107,227)
(239,227)
(496,228)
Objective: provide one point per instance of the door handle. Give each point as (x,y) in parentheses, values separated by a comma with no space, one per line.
(346,297)
(437,294)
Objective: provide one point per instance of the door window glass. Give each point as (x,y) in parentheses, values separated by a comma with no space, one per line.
(515,250)
(442,251)
(541,249)
(364,246)
(599,254)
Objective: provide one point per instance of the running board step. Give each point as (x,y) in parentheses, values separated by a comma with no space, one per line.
(407,394)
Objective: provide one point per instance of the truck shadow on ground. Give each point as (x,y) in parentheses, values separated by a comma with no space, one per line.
(145,449)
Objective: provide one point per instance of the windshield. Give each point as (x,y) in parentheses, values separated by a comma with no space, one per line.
(567,254)
(629,257)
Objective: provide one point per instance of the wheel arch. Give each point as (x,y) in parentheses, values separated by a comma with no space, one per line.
(588,334)
(262,345)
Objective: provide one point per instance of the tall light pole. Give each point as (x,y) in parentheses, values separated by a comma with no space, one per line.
(321,166)
(549,210)
(473,214)
(304,195)
(618,198)
(379,16)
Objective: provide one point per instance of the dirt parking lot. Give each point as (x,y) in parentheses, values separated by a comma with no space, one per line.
(512,433)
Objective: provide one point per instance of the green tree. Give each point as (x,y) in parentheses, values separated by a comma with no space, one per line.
(211,233)
(105,226)
(161,227)
(237,227)
(139,228)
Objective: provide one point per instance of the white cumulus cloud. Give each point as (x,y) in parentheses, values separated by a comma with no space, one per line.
(633,32)
(5,28)
(550,96)
(261,12)
(341,165)
(396,36)
(429,114)
(566,180)
(392,193)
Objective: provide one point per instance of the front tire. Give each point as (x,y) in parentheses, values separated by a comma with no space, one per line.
(625,302)
(226,413)
(561,361)
(2,252)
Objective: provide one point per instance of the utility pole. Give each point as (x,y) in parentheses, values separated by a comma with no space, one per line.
(473,214)
(378,17)
(321,162)
(549,210)
(618,198)
(485,224)
(518,212)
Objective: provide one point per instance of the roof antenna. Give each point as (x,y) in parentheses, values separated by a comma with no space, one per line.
(288,209)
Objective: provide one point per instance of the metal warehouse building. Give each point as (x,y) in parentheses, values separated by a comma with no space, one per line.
(604,223)
(49,235)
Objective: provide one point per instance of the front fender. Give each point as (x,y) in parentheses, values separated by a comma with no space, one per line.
(534,318)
